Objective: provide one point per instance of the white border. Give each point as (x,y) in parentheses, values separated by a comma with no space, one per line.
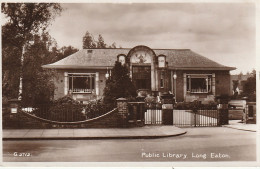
(158,164)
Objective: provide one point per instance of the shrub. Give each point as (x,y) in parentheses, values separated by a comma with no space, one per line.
(151,102)
(95,108)
(195,105)
(66,109)
(118,85)
(223,99)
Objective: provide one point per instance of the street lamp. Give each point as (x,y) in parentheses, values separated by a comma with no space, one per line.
(175,77)
(107,74)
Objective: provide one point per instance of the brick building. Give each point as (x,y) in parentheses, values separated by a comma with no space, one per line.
(183,72)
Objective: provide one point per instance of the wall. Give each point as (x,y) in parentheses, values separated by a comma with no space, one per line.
(220,87)
(59,82)
(23,120)
(223,83)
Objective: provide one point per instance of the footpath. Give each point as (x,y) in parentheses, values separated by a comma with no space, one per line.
(81,134)
(236,124)
(145,132)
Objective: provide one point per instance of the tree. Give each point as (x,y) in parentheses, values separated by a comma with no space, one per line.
(38,86)
(249,88)
(118,85)
(88,41)
(113,45)
(101,43)
(24,20)
(66,51)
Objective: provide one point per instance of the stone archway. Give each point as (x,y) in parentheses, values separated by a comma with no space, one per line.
(141,60)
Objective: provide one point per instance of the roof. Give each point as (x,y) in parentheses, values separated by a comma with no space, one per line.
(102,58)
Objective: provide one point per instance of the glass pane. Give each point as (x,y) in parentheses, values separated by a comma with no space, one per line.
(70,82)
(82,83)
(93,82)
(188,84)
(198,85)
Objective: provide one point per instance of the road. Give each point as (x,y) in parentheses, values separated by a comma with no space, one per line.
(199,144)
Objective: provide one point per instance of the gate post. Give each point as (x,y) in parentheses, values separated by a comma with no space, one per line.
(13,111)
(122,112)
(167,109)
(223,109)
(223,114)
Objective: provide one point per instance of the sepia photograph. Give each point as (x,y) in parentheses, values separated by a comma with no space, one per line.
(129,82)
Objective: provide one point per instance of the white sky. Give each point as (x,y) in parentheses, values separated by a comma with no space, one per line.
(223,32)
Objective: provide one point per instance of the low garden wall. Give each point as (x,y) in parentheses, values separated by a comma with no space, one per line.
(23,120)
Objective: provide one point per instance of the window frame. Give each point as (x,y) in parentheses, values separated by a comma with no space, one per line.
(92,82)
(199,76)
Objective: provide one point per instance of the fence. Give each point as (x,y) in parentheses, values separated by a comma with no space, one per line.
(186,118)
(72,114)
(153,116)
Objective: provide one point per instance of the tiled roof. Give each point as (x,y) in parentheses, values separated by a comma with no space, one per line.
(102,58)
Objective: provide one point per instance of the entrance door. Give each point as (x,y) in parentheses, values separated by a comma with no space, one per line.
(142,77)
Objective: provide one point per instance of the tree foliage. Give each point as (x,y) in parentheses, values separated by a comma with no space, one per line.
(249,88)
(88,41)
(101,42)
(65,51)
(24,20)
(118,85)
(38,86)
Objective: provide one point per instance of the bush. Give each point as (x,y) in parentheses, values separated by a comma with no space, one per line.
(223,99)
(66,109)
(152,103)
(195,105)
(96,108)
(118,85)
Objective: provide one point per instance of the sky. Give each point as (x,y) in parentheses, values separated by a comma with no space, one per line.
(223,32)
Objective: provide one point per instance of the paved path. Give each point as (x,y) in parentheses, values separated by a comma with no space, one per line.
(110,133)
(236,124)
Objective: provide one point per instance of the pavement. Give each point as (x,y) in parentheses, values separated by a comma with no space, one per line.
(237,124)
(107,133)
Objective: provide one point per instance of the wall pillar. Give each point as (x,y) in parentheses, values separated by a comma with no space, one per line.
(14,119)
(66,83)
(122,112)
(156,80)
(97,83)
(152,79)
(184,86)
(167,109)
(213,84)
(172,89)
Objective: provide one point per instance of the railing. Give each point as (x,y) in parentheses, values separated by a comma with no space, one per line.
(136,111)
(83,90)
(186,118)
(63,115)
(153,116)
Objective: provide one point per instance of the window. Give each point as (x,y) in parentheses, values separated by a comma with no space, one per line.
(161,61)
(121,59)
(199,83)
(82,83)
(162,80)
